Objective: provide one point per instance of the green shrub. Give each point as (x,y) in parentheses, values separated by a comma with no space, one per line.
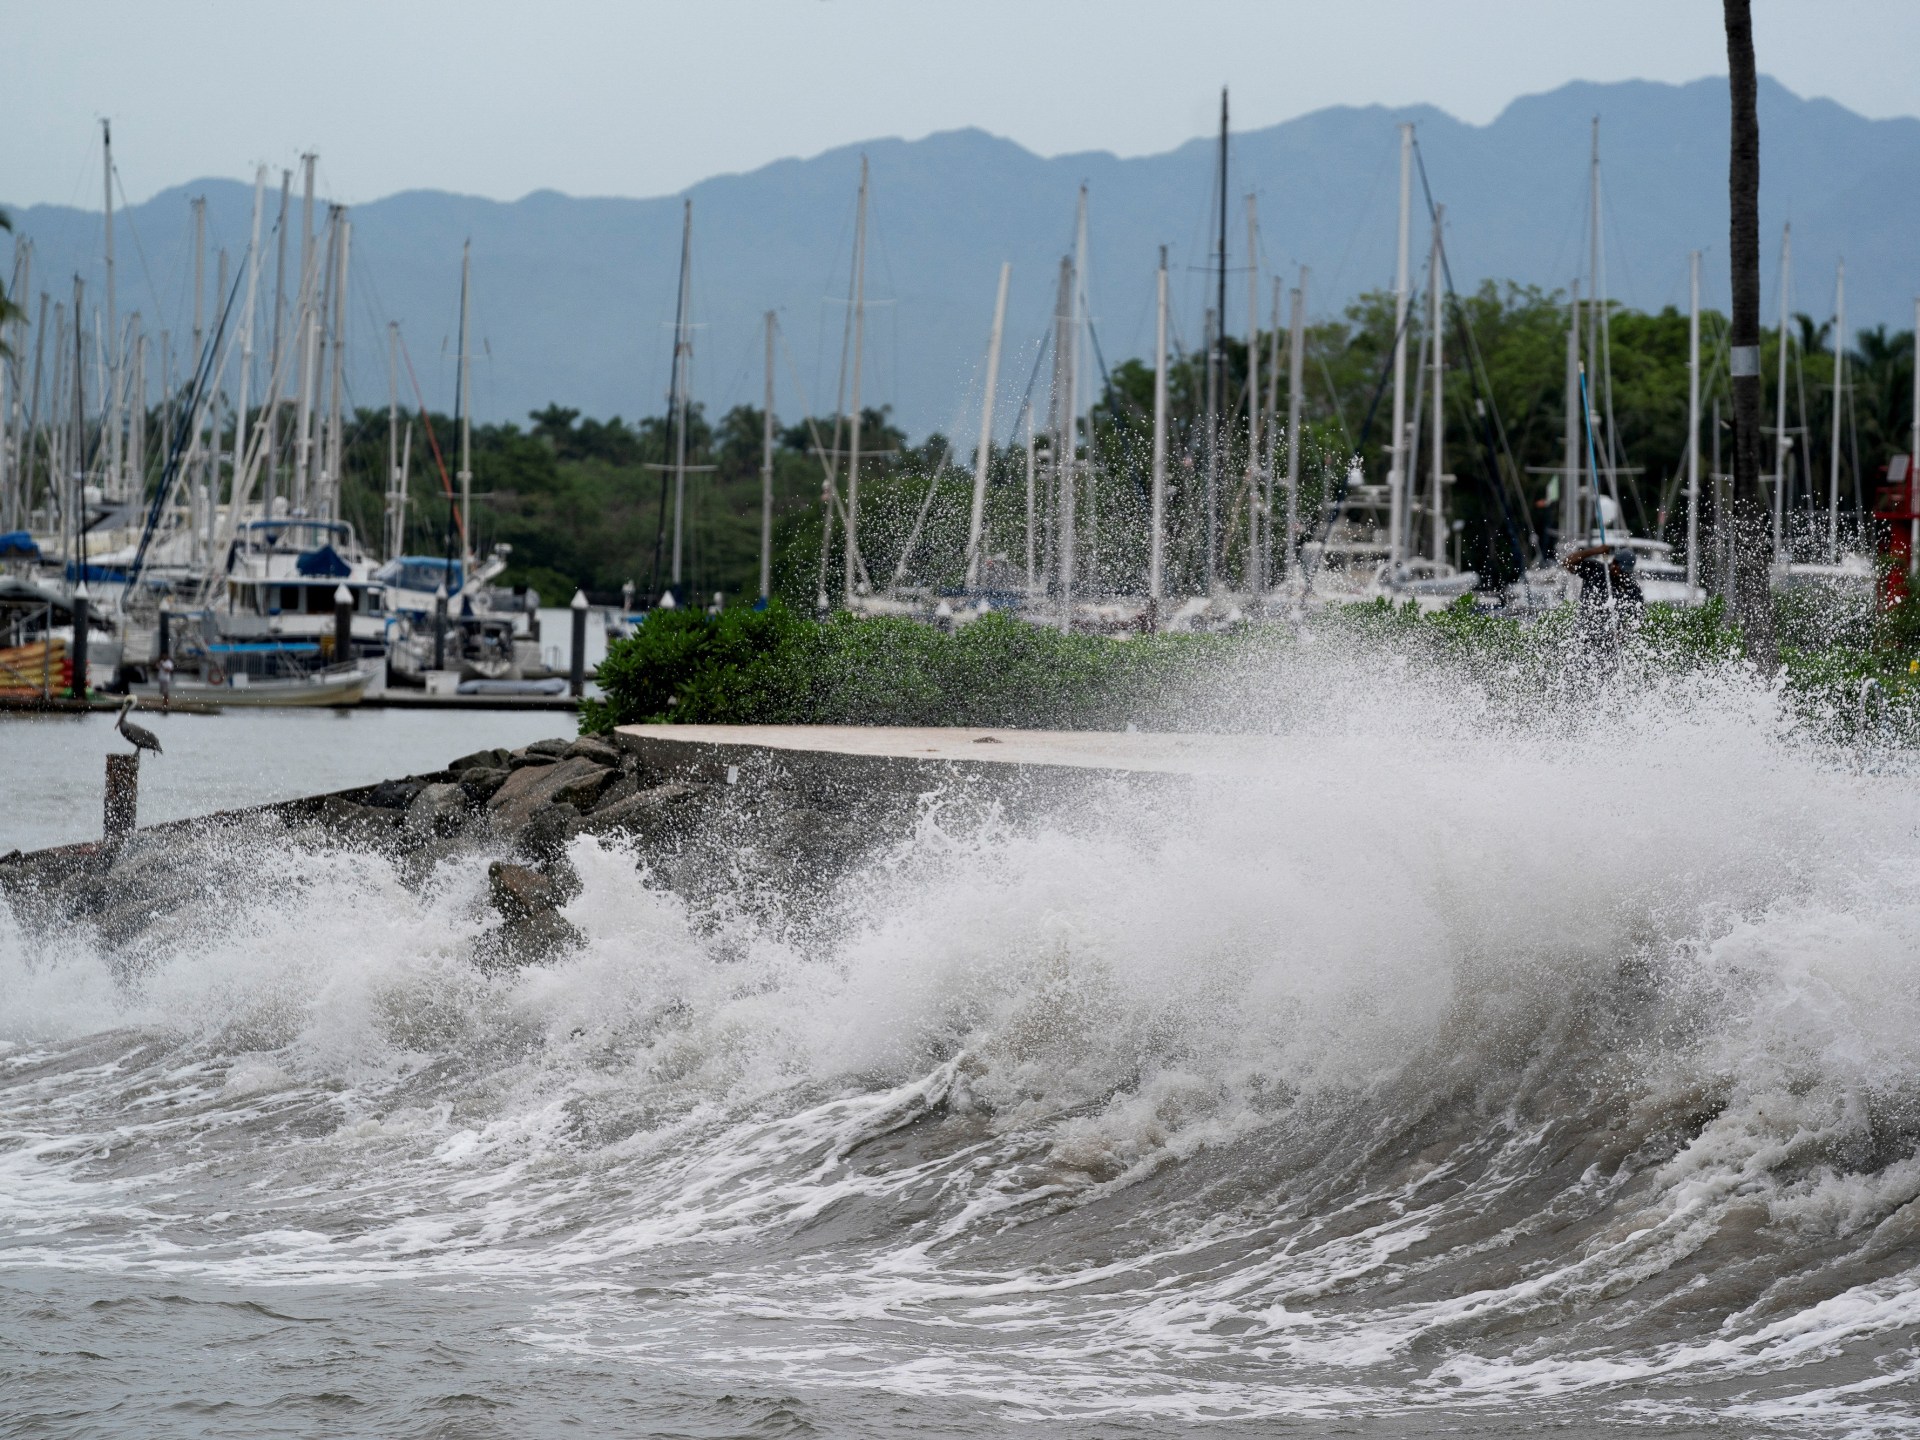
(775,667)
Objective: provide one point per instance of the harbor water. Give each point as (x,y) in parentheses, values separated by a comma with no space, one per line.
(1451,1072)
(51,770)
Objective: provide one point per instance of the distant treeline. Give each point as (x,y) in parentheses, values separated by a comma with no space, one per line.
(583,502)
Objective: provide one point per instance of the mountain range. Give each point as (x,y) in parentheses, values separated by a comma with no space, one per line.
(574,297)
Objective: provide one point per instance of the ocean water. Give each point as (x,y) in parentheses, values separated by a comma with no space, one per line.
(52,767)
(1450,1073)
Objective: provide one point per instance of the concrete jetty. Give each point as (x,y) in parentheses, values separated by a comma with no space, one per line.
(706,751)
(714,812)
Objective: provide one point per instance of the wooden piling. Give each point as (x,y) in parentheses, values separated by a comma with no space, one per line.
(123,796)
(78,650)
(342,625)
(577,675)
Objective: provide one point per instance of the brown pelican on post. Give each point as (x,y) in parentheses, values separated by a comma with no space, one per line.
(138,736)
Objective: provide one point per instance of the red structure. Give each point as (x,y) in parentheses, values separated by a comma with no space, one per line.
(1896,508)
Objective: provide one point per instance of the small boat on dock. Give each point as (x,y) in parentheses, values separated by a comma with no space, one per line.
(336,685)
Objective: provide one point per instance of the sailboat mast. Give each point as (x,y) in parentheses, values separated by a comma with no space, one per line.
(277,399)
(983,454)
(1913,456)
(11,469)
(859,344)
(393,441)
(77,461)
(111,406)
(1296,369)
(1693,425)
(1217,360)
(1839,389)
(466,419)
(1076,382)
(1782,442)
(1157,554)
(216,427)
(1596,297)
(1030,497)
(317,453)
(1397,463)
(1064,439)
(1270,460)
(1437,550)
(1570,519)
(246,330)
(682,354)
(336,427)
(307,356)
(1256,570)
(766,475)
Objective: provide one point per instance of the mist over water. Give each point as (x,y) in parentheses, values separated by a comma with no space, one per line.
(1459,1067)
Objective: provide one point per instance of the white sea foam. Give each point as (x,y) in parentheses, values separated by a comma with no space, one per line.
(1448,1057)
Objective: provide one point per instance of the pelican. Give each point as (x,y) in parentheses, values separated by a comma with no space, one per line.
(137,736)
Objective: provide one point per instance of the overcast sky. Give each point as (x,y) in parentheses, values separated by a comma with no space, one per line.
(616,97)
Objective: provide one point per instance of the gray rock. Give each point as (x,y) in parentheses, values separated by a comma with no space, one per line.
(354,823)
(598,751)
(663,813)
(582,794)
(437,809)
(481,782)
(520,759)
(395,794)
(526,941)
(544,837)
(621,786)
(519,892)
(532,786)
(556,747)
(495,759)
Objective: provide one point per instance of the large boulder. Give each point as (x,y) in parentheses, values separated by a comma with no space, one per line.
(437,809)
(531,787)
(495,759)
(589,748)
(531,927)
(483,782)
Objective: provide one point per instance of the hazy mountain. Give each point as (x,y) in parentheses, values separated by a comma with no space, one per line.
(573,297)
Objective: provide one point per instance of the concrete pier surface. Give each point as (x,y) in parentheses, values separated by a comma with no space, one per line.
(681,747)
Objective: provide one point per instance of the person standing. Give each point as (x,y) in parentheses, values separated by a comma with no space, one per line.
(1610,600)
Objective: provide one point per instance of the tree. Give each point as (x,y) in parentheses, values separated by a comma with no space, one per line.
(1752,603)
(9,311)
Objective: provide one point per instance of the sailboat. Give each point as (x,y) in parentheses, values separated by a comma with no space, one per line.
(1368,551)
(461,628)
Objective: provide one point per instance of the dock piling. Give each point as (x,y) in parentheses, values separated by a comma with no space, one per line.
(577,674)
(123,796)
(342,625)
(78,651)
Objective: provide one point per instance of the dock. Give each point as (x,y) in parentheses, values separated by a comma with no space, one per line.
(67,705)
(419,700)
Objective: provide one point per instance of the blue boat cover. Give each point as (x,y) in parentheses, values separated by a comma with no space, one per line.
(18,545)
(322,564)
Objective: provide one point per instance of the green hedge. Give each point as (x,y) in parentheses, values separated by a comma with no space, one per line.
(775,667)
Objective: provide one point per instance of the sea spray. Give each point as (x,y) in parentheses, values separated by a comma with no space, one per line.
(1448,1060)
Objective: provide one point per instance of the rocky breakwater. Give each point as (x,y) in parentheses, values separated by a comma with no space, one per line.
(761,829)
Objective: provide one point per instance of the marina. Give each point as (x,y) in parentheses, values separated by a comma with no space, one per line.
(1261,782)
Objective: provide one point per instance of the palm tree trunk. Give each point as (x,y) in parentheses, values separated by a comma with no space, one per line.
(1751,550)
